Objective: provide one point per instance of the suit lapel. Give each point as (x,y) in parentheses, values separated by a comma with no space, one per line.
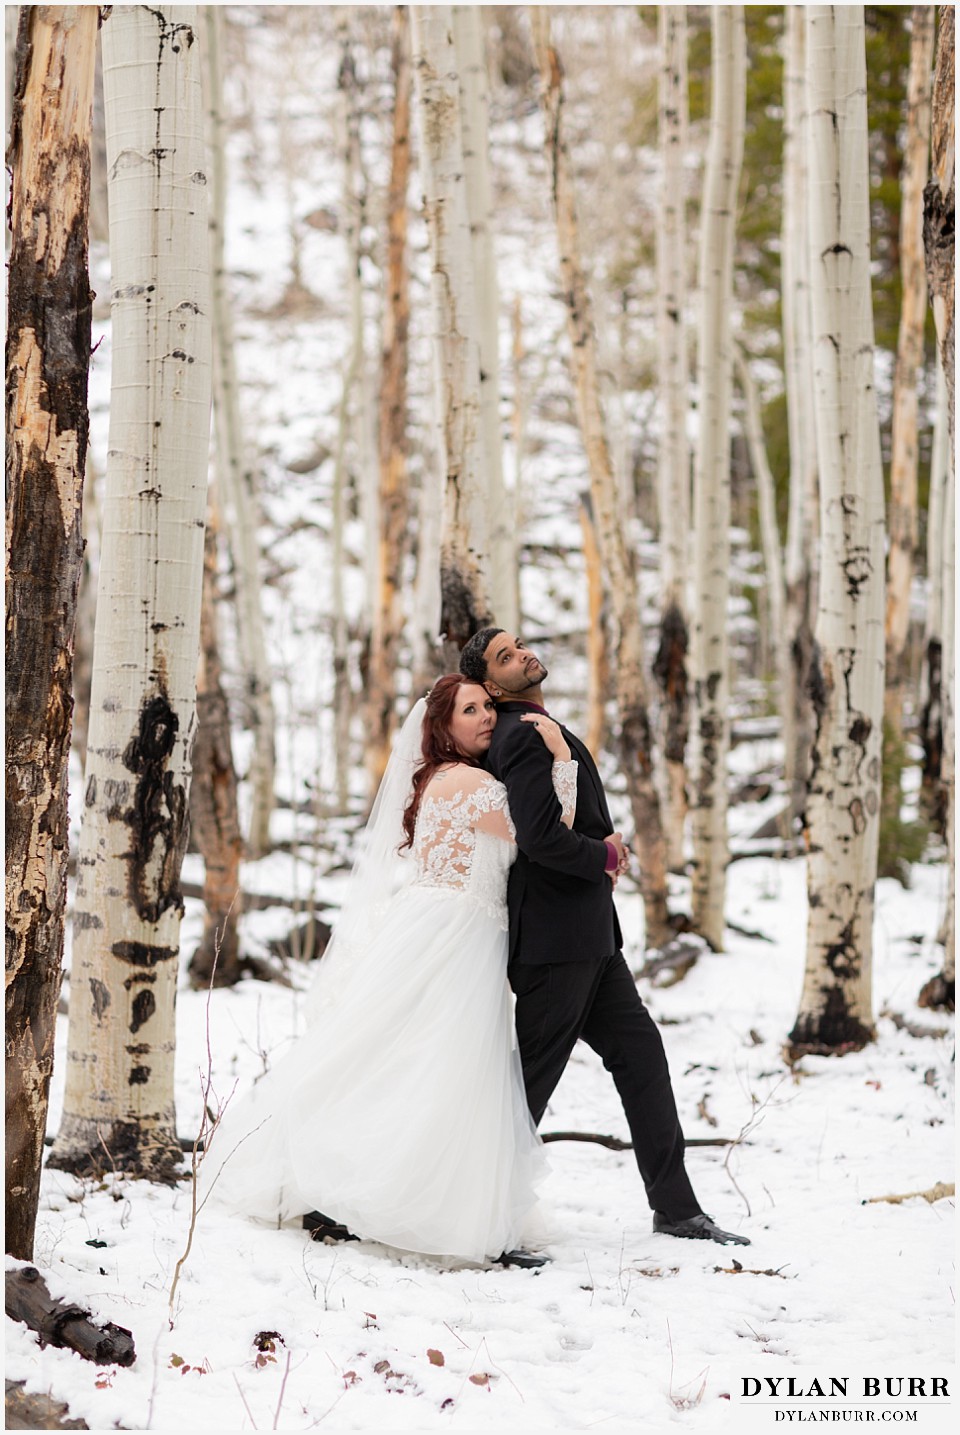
(583,756)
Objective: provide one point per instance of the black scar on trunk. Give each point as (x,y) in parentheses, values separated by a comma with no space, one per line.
(101,998)
(460,614)
(144,1006)
(142,954)
(158,817)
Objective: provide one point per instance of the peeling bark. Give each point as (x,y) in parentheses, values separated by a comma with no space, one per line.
(48,354)
(119,1100)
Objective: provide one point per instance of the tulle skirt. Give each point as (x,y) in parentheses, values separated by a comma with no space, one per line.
(400,1112)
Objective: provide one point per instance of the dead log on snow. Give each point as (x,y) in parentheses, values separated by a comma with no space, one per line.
(59,1323)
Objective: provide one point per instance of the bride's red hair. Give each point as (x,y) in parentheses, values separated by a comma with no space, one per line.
(438,746)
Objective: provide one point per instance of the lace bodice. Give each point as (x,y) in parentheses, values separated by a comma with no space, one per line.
(465,840)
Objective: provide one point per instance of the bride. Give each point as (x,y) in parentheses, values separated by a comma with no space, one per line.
(400,1111)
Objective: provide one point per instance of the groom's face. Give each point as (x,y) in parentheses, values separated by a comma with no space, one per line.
(511,667)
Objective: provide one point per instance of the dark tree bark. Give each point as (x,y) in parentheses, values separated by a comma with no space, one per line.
(213,800)
(48,354)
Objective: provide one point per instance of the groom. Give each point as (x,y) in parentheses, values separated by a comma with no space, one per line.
(565,966)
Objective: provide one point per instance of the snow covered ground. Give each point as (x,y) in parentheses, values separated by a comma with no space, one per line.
(624,1330)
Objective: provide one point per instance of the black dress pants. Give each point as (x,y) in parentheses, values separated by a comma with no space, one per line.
(557,1003)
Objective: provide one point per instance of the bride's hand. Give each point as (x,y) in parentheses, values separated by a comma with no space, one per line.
(553,738)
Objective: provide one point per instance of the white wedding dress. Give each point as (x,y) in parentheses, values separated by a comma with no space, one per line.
(400,1112)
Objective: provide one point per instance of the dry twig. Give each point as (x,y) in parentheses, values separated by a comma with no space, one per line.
(939,1192)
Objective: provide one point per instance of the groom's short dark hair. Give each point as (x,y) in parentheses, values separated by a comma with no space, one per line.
(473,664)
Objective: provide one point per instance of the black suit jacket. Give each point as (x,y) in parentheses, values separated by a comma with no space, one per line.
(559,896)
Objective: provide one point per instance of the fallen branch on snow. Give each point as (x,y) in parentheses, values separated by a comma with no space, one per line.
(914,1028)
(64,1325)
(939,1192)
(614,1143)
(738,1270)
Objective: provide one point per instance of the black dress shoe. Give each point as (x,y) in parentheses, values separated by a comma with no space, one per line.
(526,1260)
(696,1228)
(325,1228)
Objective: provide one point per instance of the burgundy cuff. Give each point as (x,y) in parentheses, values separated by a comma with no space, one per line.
(613,857)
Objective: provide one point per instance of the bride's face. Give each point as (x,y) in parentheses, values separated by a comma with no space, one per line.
(473,720)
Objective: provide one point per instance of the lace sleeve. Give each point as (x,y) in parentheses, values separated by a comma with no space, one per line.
(564,776)
(493,813)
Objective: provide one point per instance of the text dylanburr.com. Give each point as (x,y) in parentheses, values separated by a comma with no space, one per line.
(801,1400)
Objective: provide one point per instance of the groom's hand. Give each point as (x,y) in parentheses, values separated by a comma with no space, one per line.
(623,855)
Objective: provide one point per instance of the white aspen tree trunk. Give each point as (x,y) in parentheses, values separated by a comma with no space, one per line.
(939,242)
(635,738)
(342,698)
(931,672)
(464,547)
(86,612)
(235,460)
(427,645)
(843,802)
(939,209)
(350,147)
(119,1101)
(48,357)
(948,975)
(362,427)
(801,559)
(673,466)
(598,668)
(11,23)
(393,486)
(468,39)
(902,509)
(214,817)
(712,472)
(769,532)
(518,428)
(940,991)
